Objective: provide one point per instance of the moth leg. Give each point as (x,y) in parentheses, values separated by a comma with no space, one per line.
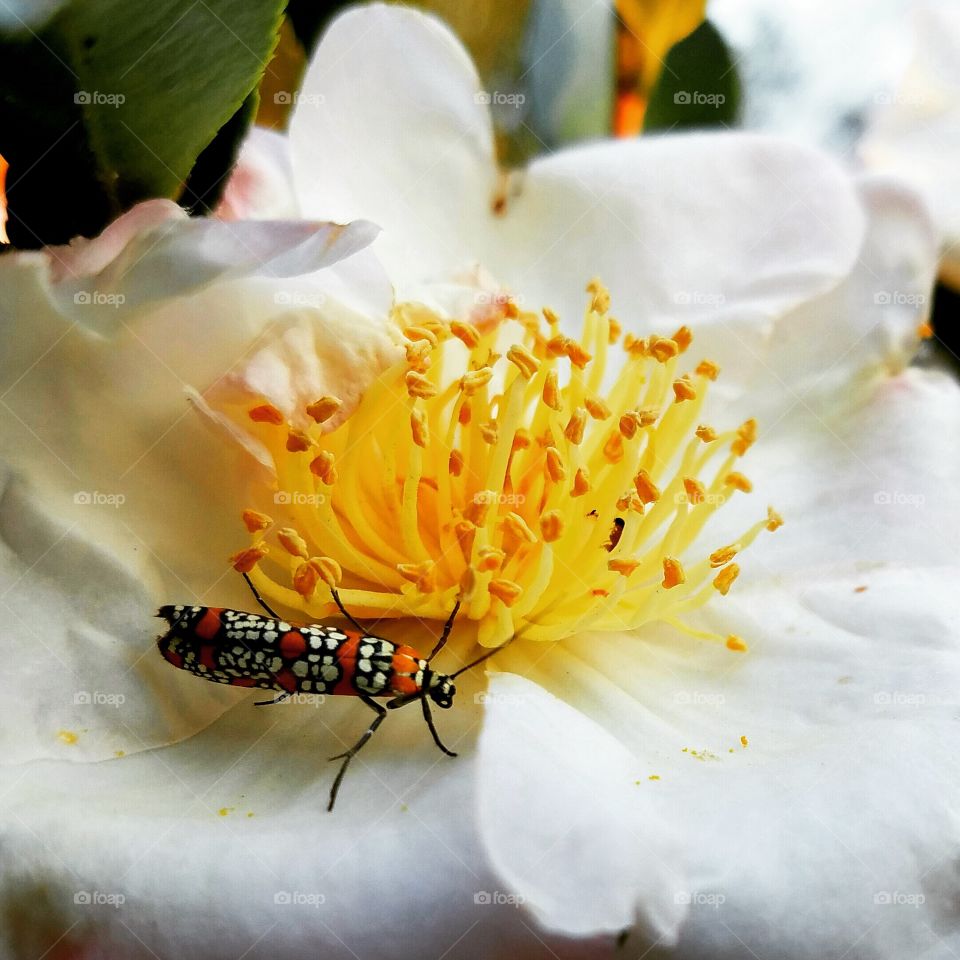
(348,755)
(266,703)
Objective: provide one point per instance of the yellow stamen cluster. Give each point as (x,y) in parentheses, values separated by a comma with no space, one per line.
(545,484)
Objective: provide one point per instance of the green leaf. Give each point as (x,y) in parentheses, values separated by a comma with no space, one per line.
(698,86)
(112,102)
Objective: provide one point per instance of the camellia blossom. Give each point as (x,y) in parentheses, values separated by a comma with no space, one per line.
(631,785)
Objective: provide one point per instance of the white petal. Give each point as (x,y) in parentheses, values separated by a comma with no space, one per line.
(390,120)
(863,328)
(565,821)
(915,131)
(842,796)
(261,183)
(786,219)
(868,483)
(395,871)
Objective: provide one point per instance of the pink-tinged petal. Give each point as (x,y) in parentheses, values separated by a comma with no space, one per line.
(261,183)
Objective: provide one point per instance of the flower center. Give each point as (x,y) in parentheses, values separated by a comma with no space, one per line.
(515,468)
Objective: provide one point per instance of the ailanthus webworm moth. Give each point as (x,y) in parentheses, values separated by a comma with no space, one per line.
(251,650)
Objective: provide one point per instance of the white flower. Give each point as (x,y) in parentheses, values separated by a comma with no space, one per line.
(830,826)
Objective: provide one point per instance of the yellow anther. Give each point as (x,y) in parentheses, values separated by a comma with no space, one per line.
(419,386)
(576,354)
(683,338)
(647,490)
(490,432)
(292,542)
(581,482)
(421,333)
(421,575)
(323,409)
(323,466)
(746,437)
(298,441)
(419,427)
(550,317)
(629,424)
(515,525)
(724,579)
(466,533)
(736,644)
(706,434)
(418,355)
(576,425)
(673,574)
(556,346)
(774,520)
(597,408)
(615,329)
(663,349)
(474,380)
(490,559)
(623,566)
(255,521)
(744,742)
(551,391)
(465,415)
(600,303)
(455,463)
(266,413)
(738,481)
(696,493)
(724,555)
(647,417)
(330,572)
(246,560)
(479,507)
(507,591)
(523,360)
(305,578)
(613,448)
(521,439)
(467,333)
(551,525)
(683,389)
(708,369)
